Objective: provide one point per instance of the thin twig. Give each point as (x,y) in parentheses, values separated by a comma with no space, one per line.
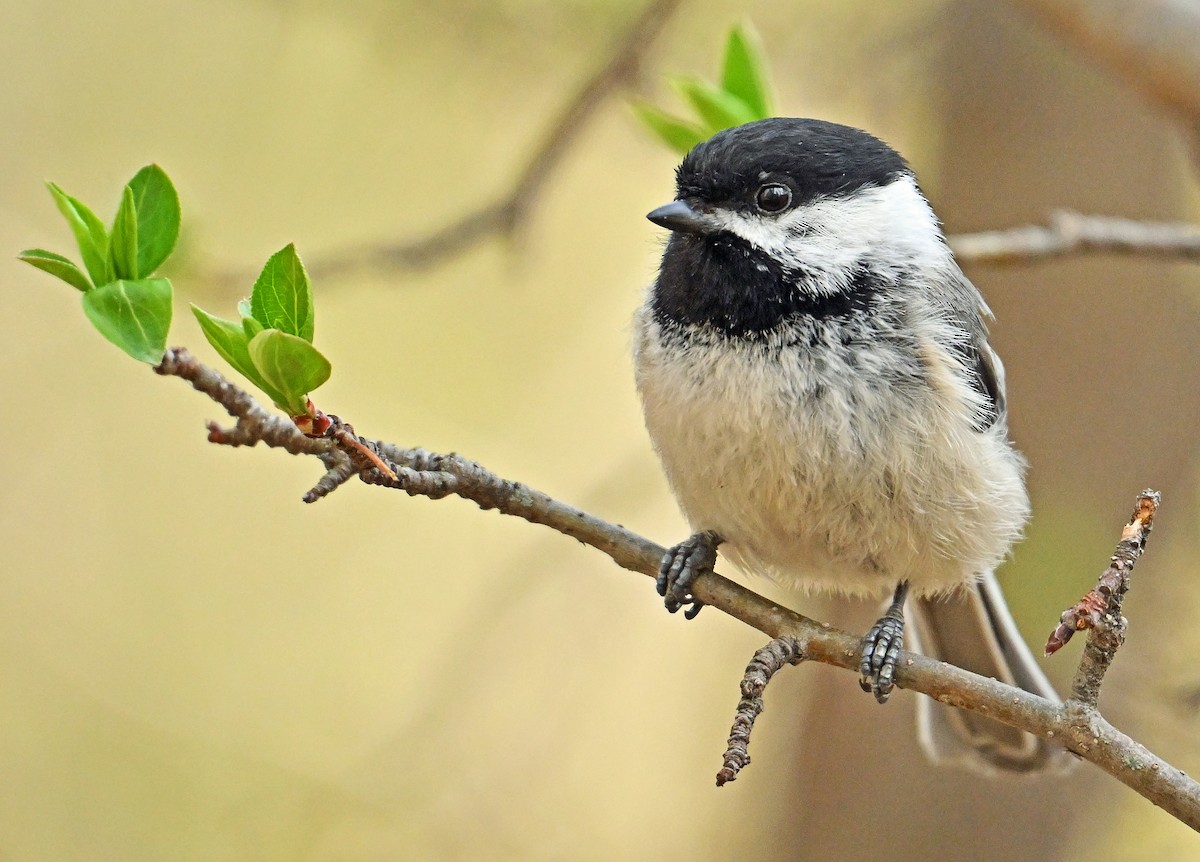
(255,423)
(334,478)
(1100,609)
(1073,233)
(1074,724)
(766,662)
(361,455)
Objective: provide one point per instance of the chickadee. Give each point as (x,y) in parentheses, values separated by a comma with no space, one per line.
(816,378)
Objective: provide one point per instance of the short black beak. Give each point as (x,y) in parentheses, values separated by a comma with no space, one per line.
(679,216)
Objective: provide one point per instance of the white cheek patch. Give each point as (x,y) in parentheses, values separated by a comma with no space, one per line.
(892,226)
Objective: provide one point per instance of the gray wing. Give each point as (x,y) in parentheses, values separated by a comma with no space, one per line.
(960,305)
(988,378)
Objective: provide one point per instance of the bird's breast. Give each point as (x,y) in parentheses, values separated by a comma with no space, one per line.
(824,458)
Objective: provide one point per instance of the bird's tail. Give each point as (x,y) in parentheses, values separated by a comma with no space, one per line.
(974,630)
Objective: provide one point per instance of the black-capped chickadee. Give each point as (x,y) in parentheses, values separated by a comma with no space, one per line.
(816,378)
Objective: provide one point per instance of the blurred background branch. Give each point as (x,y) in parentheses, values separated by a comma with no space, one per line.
(1152,45)
(503,218)
(1073,233)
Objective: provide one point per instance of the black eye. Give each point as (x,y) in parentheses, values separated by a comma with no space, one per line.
(773,198)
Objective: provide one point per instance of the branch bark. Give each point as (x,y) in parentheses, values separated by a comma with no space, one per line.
(762,668)
(1076,725)
(1100,610)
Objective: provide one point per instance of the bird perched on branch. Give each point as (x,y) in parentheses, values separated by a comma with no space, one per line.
(816,378)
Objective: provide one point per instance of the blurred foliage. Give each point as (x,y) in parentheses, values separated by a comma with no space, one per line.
(743,95)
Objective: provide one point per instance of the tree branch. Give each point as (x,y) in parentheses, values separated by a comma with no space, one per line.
(1074,233)
(765,664)
(1076,725)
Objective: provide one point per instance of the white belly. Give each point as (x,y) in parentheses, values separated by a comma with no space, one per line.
(826,475)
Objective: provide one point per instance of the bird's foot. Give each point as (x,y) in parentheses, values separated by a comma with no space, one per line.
(881,647)
(680,567)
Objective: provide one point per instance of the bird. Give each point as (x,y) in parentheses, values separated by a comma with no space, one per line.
(816,379)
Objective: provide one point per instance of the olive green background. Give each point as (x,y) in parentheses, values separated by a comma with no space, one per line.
(195,665)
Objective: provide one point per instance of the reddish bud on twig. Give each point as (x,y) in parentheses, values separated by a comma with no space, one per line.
(1100,608)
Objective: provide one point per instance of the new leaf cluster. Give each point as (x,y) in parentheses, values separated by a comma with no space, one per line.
(127,306)
(744,95)
(271,345)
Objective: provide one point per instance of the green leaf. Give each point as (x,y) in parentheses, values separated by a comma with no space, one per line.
(744,73)
(230,341)
(158,214)
(291,365)
(717,108)
(56,265)
(251,327)
(90,235)
(282,296)
(679,135)
(123,241)
(134,315)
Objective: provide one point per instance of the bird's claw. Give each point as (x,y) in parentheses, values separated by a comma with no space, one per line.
(681,566)
(880,649)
